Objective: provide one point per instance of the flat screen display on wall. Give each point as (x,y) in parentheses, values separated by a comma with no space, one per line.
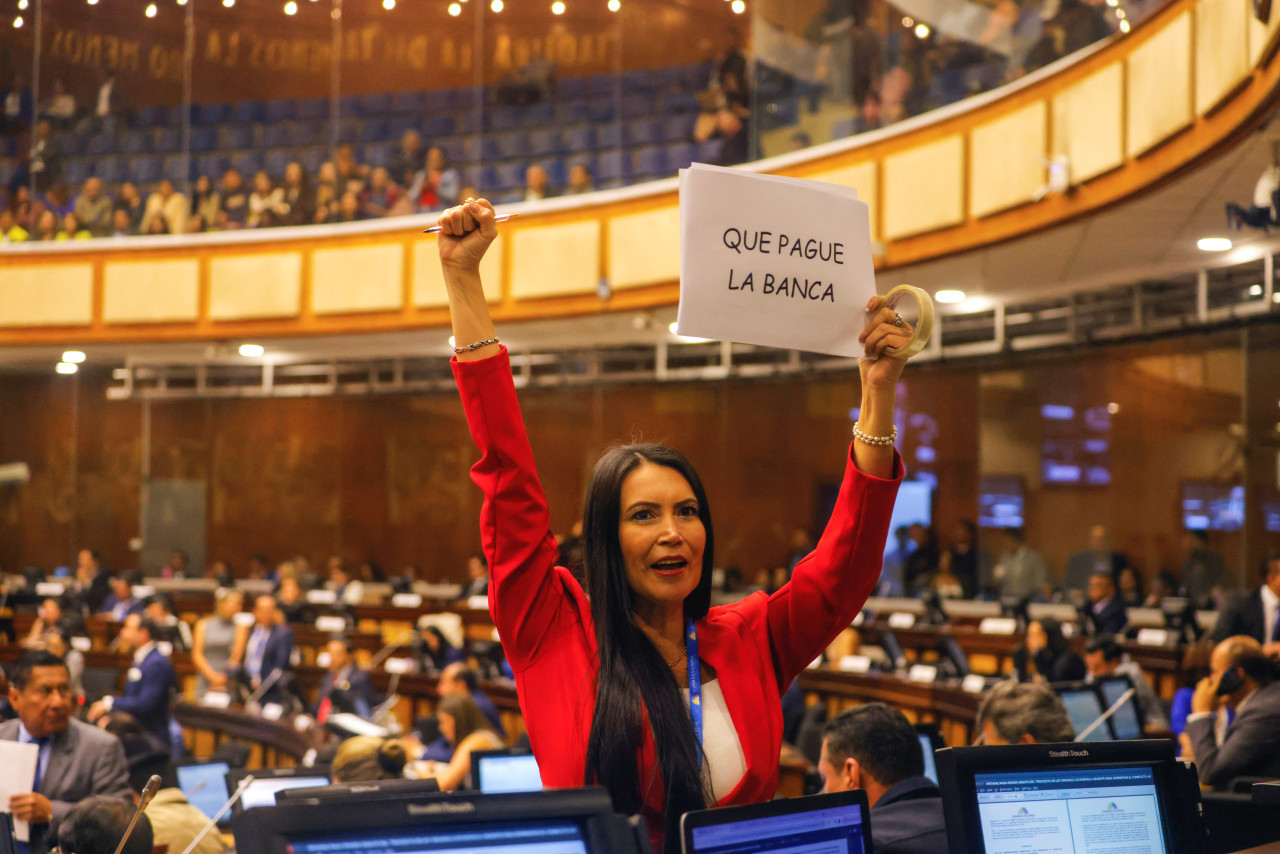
(1000,502)
(1212,507)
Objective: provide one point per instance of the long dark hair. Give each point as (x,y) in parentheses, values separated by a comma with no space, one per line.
(633,678)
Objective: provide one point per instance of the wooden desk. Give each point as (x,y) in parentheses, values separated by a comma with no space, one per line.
(952,708)
(274,738)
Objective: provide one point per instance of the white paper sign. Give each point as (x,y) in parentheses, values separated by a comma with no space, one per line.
(922,673)
(902,621)
(406,600)
(19,763)
(479,603)
(773,261)
(216,699)
(1153,637)
(398,665)
(272,711)
(322,597)
(998,626)
(974,683)
(49,588)
(83,644)
(855,663)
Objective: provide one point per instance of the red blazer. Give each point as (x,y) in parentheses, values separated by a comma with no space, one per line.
(757,646)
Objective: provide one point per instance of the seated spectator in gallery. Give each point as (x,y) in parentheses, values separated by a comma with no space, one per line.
(536,184)
(169,628)
(478,578)
(206,205)
(60,107)
(1047,656)
(327,193)
(381,194)
(178,565)
(1104,613)
(466,729)
(1104,658)
(1024,713)
(97,824)
(59,200)
(293,603)
(435,653)
(158,225)
(437,185)
(235,201)
(349,209)
(10,231)
(121,603)
(366,758)
(1247,683)
(579,180)
(167,204)
(260,568)
(408,159)
(351,175)
(72,230)
(299,196)
(46,226)
(350,591)
(131,202)
(266,203)
(1129,588)
(121,225)
(93,208)
(875,748)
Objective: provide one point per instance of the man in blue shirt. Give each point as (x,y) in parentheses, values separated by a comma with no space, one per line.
(874,747)
(75,761)
(150,684)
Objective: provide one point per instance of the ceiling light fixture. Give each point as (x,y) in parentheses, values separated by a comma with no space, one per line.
(252,351)
(614,5)
(1213,244)
(738,7)
(1125,26)
(455,9)
(557,8)
(75,356)
(22,5)
(388,4)
(66,368)
(1113,408)
(151,10)
(496,5)
(17,22)
(291,8)
(949,295)
(1255,290)
(908,22)
(922,31)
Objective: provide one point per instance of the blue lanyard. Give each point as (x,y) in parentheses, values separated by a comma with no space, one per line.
(695,679)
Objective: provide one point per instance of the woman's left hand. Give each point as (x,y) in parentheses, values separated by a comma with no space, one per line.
(885,329)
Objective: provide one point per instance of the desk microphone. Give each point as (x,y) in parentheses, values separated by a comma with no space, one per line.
(148,792)
(272,678)
(1115,707)
(381,655)
(235,796)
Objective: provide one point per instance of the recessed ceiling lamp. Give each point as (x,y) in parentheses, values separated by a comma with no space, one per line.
(66,368)
(151,10)
(455,9)
(22,5)
(74,356)
(496,5)
(557,8)
(738,7)
(291,8)
(614,5)
(228,3)
(949,295)
(252,351)
(922,31)
(1125,26)
(388,4)
(17,22)
(1214,244)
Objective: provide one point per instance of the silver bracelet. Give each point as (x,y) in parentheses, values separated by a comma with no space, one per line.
(475,345)
(868,439)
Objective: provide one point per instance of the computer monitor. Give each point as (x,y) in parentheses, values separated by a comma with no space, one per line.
(1070,798)
(837,822)
(494,771)
(268,781)
(1084,706)
(563,821)
(930,741)
(204,784)
(1000,502)
(1126,721)
(397,788)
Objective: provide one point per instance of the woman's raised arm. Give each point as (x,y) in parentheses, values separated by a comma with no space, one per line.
(466,232)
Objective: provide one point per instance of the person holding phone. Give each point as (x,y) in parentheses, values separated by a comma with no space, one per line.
(1247,682)
(636,683)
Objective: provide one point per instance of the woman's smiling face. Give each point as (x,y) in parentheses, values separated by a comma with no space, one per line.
(661,535)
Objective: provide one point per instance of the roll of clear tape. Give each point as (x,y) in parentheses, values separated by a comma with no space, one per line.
(924,323)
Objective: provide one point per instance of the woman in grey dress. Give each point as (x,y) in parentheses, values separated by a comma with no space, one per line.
(219,643)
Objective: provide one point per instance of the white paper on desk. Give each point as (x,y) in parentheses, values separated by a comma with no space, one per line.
(19,763)
(742,277)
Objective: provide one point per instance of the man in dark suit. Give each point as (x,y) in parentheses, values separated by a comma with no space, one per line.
(270,650)
(151,682)
(1256,614)
(75,761)
(457,678)
(121,603)
(345,688)
(92,582)
(875,748)
(1105,613)
(1247,682)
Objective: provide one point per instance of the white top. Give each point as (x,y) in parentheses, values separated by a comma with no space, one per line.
(1270,603)
(723,762)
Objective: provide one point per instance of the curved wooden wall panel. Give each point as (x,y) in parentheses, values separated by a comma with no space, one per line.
(1128,115)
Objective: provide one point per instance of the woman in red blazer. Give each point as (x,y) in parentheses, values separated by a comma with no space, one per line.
(602,679)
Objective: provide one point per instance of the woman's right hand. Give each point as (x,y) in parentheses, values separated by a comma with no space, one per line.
(466,231)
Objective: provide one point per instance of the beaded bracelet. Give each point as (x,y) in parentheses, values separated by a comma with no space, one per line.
(476,345)
(868,439)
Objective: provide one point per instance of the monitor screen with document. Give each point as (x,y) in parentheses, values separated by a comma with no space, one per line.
(835,822)
(1126,720)
(504,771)
(1070,799)
(204,785)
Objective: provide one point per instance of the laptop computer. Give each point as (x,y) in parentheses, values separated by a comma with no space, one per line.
(267,781)
(204,785)
(835,822)
(494,771)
